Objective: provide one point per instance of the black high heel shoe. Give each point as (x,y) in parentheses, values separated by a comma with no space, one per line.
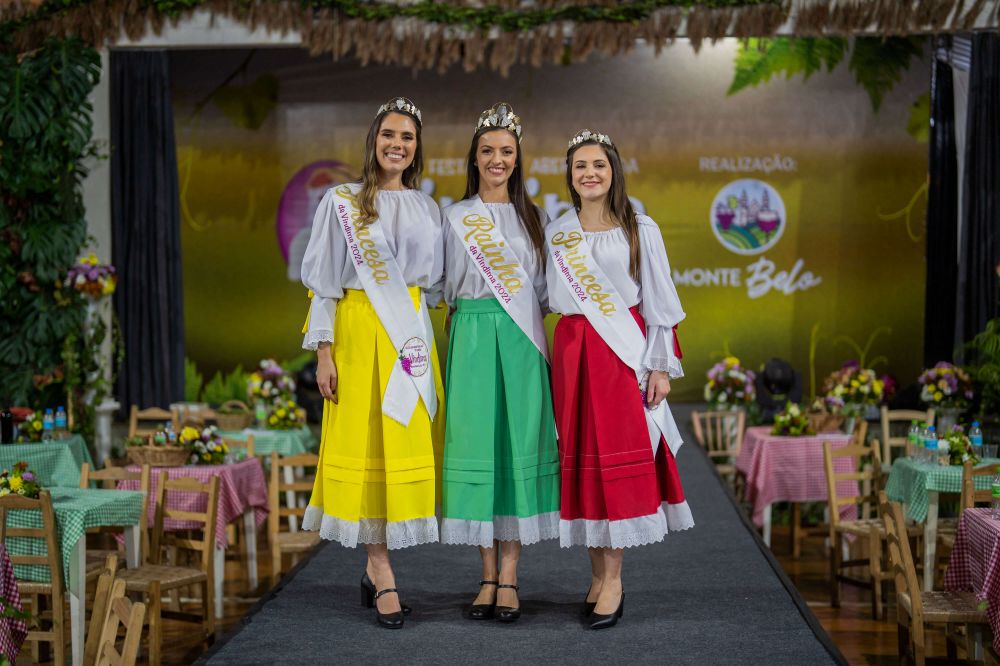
(483,611)
(508,613)
(588,606)
(605,621)
(368,594)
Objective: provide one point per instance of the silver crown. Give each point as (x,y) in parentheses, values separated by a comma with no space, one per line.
(401,104)
(590,135)
(500,116)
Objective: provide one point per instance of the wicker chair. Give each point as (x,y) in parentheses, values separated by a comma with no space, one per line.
(283,542)
(720,433)
(916,608)
(154,578)
(47,535)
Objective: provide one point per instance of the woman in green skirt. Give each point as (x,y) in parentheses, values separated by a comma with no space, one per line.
(501,464)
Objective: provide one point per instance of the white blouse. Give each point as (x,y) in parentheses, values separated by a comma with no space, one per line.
(461,277)
(411,221)
(655,293)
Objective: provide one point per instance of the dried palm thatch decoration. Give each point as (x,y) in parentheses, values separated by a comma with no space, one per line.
(437,34)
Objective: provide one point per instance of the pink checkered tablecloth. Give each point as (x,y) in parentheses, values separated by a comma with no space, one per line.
(790,469)
(241,486)
(12,632)
(975,563)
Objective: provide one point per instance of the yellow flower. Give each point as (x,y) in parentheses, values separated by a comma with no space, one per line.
(15,483)
(732,361)
(291,404)
(938,395)
(188,434)
(281,413)
(37,425)
(272,420)
(205,456)
(855,383)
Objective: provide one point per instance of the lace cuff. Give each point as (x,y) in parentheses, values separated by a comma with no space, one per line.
(660,352)
(314,337)
(668,364)
(322,314)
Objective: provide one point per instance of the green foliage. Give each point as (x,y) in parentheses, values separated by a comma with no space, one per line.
(45,135)
(984,367)
(192,381)
(435,11)
(919,123)
(877,64)
(222,388)
(295,365)
(758,60)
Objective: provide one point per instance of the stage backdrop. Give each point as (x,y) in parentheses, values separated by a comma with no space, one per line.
(792,212)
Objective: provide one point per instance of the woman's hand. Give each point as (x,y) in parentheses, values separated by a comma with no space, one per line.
(657,388)
(326,372)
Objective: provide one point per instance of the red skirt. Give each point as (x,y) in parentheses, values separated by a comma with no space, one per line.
(614,492)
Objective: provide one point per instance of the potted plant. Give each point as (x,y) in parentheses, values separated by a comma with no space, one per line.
(729,385)
(948,389)
(984,368)
(792,422)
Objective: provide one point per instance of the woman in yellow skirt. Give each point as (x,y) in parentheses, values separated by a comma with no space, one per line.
(374,265)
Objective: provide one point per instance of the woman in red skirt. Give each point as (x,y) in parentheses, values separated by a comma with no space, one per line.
(614,355)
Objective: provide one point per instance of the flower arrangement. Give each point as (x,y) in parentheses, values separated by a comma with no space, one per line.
(205,446)
(270,382)
(946,385)
(30,430)
(960,447)
(19,481)
(92,278)
(855,385)
(791,422)
(284,415)
(729,384)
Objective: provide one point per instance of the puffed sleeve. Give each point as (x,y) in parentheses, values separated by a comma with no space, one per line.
(454,261)
(322,271)
(541,289)
(661,308)
(434,293)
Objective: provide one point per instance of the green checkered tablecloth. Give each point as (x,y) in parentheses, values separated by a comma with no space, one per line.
(285,442)
(76,509)
(55,463)
(910,481)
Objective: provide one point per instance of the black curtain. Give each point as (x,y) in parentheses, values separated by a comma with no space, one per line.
(942,222)
(145,220)
(981,189)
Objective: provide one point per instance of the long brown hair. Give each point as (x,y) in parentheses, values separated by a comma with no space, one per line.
(370,171)
(531,221)
(617,204)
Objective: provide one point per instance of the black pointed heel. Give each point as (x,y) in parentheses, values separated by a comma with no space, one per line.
(508,613)
(588,606)
(483,611)
(368,594)
(606,621)
(388,620)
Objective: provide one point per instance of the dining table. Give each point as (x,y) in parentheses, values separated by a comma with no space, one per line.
(55,462)
(242,496)
(781,468)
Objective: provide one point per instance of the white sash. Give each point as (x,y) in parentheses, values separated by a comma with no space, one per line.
(492,256)
(607,313)
(411,333)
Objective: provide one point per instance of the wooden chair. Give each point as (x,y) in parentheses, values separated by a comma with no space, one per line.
(154,578)
(915,609)
(899,417)
(108,479)
(245,445)
(99,609)
(720,433)
(867,527)
(121,613)
(144,422)
(52,560)
(288,542)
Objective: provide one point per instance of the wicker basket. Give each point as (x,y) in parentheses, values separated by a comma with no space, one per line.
(825,422)
(243,418)
(157,456)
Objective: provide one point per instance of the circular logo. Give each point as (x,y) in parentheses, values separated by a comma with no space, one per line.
(747,216)
(414,357)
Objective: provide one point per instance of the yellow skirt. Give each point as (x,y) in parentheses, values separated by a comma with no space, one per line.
(377,480)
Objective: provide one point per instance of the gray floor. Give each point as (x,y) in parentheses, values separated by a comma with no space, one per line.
(704,596)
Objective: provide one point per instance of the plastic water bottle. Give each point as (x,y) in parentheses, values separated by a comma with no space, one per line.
(260,414)
(996,497)
(168,428)
(61,429)
(913,440)
(943,452)
(930,444)
(976,437)
(48,425)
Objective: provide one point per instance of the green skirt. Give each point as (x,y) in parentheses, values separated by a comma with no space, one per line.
(501,464)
